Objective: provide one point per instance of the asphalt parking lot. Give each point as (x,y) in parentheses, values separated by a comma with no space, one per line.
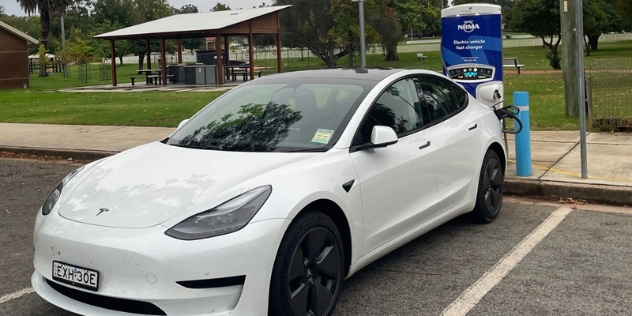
(536,259)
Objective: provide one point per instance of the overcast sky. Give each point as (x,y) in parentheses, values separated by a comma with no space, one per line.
(12,7)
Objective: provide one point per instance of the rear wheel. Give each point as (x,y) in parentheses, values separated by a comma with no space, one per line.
(489,198)
(308,270)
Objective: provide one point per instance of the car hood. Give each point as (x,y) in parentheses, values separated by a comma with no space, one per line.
(148,185)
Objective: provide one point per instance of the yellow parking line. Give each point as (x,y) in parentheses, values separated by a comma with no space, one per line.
(573,174)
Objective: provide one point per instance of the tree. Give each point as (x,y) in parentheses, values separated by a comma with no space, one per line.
(190,43)
(145,11)
(541,18)
(78,15)
(597,20)
(424,16)
(347,30)
(220,7)
(119,11)
(30,25)
(386,23)
(46,9)
(101,48)
(310,24)
(506,5)
(625,9)
(187,8)
(110,15)
(1,10)
(78,48)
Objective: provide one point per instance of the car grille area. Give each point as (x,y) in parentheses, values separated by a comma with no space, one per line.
(115,304)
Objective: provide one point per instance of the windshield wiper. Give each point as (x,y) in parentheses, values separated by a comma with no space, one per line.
(319,149)
(207,147)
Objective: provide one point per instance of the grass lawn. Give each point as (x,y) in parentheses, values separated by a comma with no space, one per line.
(534,58)
(41,104)
(165,109)
(546,93)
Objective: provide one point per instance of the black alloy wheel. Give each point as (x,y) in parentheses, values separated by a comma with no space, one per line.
(489,199)
(308,272)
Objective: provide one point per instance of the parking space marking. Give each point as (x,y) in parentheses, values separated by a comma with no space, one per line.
(15,295)
(472,295)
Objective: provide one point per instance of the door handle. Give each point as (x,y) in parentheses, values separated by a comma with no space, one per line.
(473,127)
(425,146)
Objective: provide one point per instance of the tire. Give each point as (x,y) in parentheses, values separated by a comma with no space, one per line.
(309,268)
(489,197)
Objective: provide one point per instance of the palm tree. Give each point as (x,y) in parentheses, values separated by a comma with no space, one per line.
(45,8)
(1,10)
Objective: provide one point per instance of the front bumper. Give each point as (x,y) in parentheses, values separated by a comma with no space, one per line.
(143,265)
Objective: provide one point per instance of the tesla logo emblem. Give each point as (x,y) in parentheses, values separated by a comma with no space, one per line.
(468,26)
(101,210)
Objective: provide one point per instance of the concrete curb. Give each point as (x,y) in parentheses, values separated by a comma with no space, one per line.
(63,153)
(608,194)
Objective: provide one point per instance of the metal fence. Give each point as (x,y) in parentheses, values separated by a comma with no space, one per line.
(609,89)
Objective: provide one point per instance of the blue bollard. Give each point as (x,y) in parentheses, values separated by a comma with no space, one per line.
(523,139)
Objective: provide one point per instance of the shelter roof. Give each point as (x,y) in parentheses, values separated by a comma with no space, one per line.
(192,24)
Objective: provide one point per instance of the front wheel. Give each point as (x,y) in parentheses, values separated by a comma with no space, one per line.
(308,270)
(489,197)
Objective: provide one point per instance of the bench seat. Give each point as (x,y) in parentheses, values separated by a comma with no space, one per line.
(512,62)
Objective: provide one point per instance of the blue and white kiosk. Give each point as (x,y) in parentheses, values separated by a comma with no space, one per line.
(472,50)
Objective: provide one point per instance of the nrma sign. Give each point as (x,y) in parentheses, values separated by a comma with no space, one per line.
(468,26)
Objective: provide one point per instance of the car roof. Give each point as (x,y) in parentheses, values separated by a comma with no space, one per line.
(373,74)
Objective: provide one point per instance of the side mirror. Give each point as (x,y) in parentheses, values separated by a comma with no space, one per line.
(182,123)
(383,136)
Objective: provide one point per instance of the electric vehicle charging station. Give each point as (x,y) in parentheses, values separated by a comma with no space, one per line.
(472,50)
(472,53)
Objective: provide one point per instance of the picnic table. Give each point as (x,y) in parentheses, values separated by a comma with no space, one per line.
(233,70)
(242,69)
(150,77)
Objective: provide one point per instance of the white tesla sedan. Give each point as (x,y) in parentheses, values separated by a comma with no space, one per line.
(269,197)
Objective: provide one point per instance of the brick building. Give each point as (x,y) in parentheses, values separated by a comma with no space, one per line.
(14,62)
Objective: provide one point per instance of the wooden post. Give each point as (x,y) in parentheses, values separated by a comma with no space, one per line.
(163,61)
(220,66)
(113,63)
(278,43)
(179,51)
(568,58)
(251,58)
(227,50)
(148,53)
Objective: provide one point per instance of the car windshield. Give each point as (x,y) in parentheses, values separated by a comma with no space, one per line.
(274,115)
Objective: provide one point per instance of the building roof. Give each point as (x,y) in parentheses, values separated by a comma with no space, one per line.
(190,23)
(18,33)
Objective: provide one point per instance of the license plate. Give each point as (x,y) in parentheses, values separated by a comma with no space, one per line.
(76,276)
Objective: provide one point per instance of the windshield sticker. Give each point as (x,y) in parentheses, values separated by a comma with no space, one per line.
(322,136)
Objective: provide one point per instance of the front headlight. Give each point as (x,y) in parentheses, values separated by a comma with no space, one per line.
(226,218)
(54,196)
